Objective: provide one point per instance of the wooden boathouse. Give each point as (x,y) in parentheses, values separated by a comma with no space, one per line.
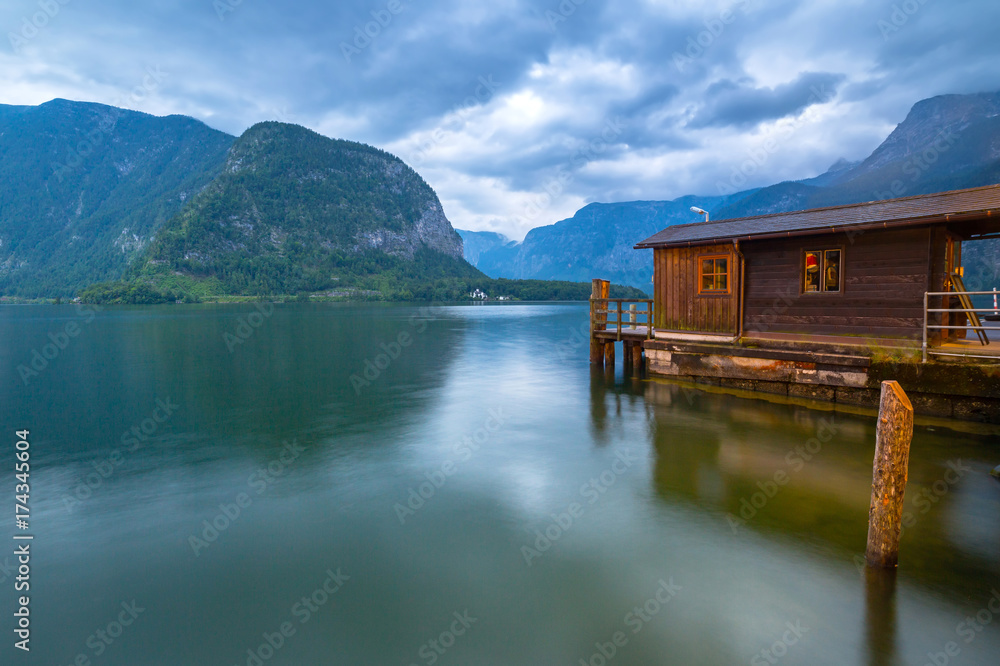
(825,302)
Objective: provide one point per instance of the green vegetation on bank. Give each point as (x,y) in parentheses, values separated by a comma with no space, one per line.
(374,288)
(131,293)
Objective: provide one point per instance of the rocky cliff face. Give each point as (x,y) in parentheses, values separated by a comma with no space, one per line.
(293,210)
(934,122)
(431,230)
(349,195)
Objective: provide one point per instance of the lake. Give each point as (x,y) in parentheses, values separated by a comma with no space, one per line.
(404,484)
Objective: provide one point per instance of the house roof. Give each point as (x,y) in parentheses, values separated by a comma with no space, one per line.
(923,209)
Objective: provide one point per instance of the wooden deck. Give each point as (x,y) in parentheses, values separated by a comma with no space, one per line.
(972,349)
(611,333)
(618,319)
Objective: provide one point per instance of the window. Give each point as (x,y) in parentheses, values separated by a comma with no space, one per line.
(822,271)
(713,275)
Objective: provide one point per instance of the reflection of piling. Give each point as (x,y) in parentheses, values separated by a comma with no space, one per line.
(880,615)
(599,383)
(889,470)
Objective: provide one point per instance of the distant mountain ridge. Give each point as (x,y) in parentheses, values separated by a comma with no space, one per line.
(944,143)
(477,242)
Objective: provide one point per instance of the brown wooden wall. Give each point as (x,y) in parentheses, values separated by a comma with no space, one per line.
(941,281)
(678,305)
(885,275)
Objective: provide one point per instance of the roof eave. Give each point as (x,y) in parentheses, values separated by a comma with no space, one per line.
(819,231)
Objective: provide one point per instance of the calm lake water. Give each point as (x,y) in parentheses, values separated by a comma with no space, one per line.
(200,486)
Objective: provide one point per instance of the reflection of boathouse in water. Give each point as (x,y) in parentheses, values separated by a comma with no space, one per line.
(828,302)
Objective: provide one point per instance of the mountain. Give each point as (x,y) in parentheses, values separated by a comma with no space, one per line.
(478,242)
(95,193)
(149,209)
(832,175)
(981,262)
(944,143)
(596,242)
(295,211)
(960,129)
(86,187)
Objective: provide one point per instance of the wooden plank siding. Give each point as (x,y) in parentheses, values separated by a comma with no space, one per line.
(884,276)
(679,306)
(940,282)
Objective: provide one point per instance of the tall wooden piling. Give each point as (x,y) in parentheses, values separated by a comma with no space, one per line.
(598,320)
(889,470)
(627,350)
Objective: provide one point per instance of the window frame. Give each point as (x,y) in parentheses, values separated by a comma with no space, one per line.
(821,250)
(729,274)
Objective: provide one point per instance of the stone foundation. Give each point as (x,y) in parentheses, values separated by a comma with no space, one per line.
(960,391)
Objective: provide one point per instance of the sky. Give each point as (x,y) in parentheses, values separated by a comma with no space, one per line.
(518,113)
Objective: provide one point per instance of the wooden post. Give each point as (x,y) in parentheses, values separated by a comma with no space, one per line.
(598,289)
(631,316)
(889,470)
(627,350)
(596,348)
(637,357)
(609,354)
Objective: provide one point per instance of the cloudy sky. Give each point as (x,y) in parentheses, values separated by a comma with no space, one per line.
(520,112)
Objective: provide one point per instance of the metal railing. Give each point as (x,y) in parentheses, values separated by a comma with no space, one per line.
(974,322)
(600,320)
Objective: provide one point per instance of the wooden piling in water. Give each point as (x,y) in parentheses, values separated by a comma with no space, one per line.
(598,320)
(628,349)
(889,470)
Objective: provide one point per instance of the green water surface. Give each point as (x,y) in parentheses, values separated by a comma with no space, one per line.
(363,484)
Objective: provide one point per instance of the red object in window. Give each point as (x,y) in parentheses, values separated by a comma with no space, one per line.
(811,261)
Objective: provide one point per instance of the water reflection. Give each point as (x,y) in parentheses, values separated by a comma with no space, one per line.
(774,466)
(879,626)
(801,474)
(698,460)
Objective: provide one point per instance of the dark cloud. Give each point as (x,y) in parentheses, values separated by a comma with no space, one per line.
(408,82)
(742,105)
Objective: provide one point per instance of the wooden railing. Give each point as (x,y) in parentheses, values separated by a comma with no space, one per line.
(601,310)
(972,313)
